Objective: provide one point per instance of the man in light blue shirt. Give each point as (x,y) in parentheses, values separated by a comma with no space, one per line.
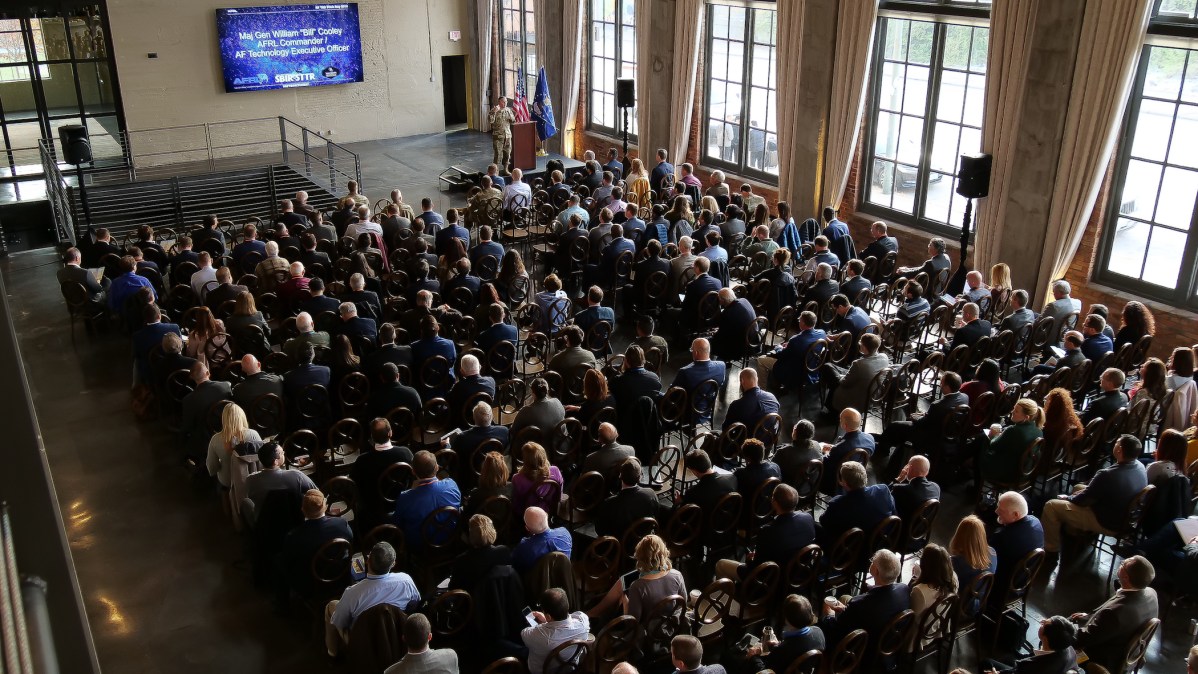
(379,587)
(714,251)
(574,209)
(540,541)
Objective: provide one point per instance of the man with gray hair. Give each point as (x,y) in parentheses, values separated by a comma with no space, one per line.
(483,429)
(307,335)
(874,609)
(1061,306)
(353,326)
(469,384)
(1018,534)
(684,261)
(272,269)
(857,507)
(301,206)
(364,225)
(1105,633)
(540,541)
(367,301)
(824,288)
(421,658)
(381,586)
(295,289)
(610,454)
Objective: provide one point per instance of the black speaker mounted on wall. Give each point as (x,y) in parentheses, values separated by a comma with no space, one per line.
(76,148)
(973,179)
(626,93)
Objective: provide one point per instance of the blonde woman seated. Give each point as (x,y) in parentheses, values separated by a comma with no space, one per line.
(235,431)
(656,580)
(1000,462)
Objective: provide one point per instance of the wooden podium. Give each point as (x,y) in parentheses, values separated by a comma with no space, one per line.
(524,146)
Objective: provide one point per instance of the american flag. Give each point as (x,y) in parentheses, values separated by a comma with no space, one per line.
(520,105)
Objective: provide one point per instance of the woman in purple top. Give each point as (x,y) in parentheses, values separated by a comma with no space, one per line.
(536,469)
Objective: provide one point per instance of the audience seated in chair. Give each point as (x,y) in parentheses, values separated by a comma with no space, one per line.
(381,586)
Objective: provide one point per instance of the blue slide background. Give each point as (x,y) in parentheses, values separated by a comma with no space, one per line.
(257,74)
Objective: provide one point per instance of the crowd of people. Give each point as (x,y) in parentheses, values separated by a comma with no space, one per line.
(490,441)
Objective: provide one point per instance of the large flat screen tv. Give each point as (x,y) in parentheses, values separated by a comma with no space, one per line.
(289,46)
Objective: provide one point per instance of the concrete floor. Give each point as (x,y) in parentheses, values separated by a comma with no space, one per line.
(161,569)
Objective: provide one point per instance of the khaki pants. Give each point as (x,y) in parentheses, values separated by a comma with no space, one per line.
(1059,513)
(727,568)
(764,365)
(503,152)
(334,639)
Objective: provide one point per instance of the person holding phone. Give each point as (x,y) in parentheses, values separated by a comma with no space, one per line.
(1055,654)
(637,592)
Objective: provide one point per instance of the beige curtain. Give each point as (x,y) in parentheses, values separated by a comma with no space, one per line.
(1012,24)
(567,111)
(688,38)
(1108,52)
(480,57)
(645,35)
(856,21)
(790,37)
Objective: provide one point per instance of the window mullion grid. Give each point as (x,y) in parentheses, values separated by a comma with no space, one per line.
(746,90)
(935,71)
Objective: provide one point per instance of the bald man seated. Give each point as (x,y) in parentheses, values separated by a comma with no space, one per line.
(912,488)
(610,455)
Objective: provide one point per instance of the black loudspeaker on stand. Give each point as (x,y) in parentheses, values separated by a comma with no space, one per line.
(77,150)
(973,182)
(626,100)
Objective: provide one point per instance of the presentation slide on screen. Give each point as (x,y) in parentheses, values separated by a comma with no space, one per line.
(289,46)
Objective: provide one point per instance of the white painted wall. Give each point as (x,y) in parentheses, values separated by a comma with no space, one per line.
(184,84)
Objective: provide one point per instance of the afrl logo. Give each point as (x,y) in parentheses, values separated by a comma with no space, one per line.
(285,78)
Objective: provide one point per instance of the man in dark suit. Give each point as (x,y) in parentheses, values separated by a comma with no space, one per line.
(881,245)
(172,360)
(250,244)
(840,241)
(486,247)
(224,291)
(610,454)
(468,385)
(319,303)
(387,352)
(288,216)
(663,169)
(393,223)
(628,505)
(305,374)
(184,253)
(103,246)
(451,230)
(854,283)
(573,356)
(1020,317)
(729,342)
(465,278)
(779,540)
(852,440)
(701,368)
(208,232)
(194,432)
(1018,534)
(753,404)
(787,365)
(710,486)
(634,383)
(696,290)
(432,344)
(974,328)
(1073,357)
(634,293)
(389,392)
(1110,399)
(301,544)
(371,464)
(937,261)
(594,176)
(849,317)
(72,272)
(421,280)
(148,337)
(1105,633)
(634,227)
(604,273)
(310,256)
(594,312)
(256,383)
(352,325)
(497,332)
(467,441)
(912,488)
(560,261)
(923,429)
(1101,505)
(859,507)
(874,609)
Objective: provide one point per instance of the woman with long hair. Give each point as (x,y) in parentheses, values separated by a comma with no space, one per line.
(934,579)
(1151,386)
(637,180)
(482,555)
(761,216)
(344,360)
(360,265)
(488,295)
(1000,461)
(1060,419)
(1135,322)
(234,430)
(1000,278)
(536,469)
(447,264)
(594,397)
(680,209)
(1181,367)
(206,327)
(656,579)
(492,481)
(970,554)
(245,314)
(1170,456)
(511,268)
(985,380)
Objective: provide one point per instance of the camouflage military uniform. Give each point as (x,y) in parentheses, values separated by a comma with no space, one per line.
(502,120)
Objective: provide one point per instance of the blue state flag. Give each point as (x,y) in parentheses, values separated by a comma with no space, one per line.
(542,108)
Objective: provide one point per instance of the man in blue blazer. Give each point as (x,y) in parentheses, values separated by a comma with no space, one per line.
(663,169)
(779,540)
(1018,534)
(451,230)
(1096,344)
(605,272)
(696,290)
(147,338)
(613,164)
(634,227)
(594,313)
(701,367)
(485,247)
(431,344)
(872,610)
(305,373)
(859,507)
(853,439)
(467,441)
(753,404)
(353,325)
(497,332)
(470,384)
(787,366)
(840,241)
(304,540)
(465,279)
(728,342)
(849,317)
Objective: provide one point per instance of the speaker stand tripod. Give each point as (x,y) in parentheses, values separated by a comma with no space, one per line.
(956,285)
(625,141)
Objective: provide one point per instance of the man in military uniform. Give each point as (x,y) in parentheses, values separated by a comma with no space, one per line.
(502,119)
